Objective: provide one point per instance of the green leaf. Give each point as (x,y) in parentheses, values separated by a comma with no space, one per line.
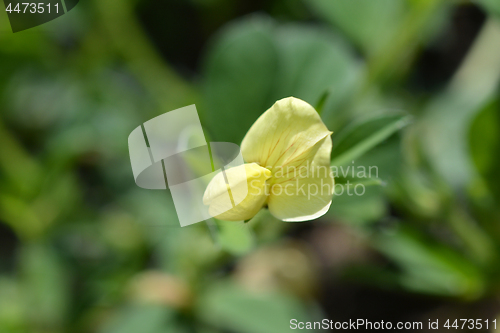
(142,318)
(349,207)
(235,237)
(352,182)
(430,267)
(22,172)
(232,308)
(240,71)
(444,123)
(360,137)
(315,65)
(256,62)
(370,24)
(45,282)
(12,306)
(484,143)
(493,6)
(378,165)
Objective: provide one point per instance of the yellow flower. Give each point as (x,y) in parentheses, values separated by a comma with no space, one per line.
(287,151)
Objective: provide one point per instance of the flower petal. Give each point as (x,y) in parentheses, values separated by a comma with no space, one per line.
(286,134)
(247,188)
(306,193)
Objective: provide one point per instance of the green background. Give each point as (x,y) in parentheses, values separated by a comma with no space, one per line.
(411,87)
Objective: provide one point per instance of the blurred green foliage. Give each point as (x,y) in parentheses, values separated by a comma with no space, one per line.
(85,250)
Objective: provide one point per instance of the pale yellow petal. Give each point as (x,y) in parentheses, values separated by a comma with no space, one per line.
(247,188)
(304,193)
(323,154)
(286,134)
